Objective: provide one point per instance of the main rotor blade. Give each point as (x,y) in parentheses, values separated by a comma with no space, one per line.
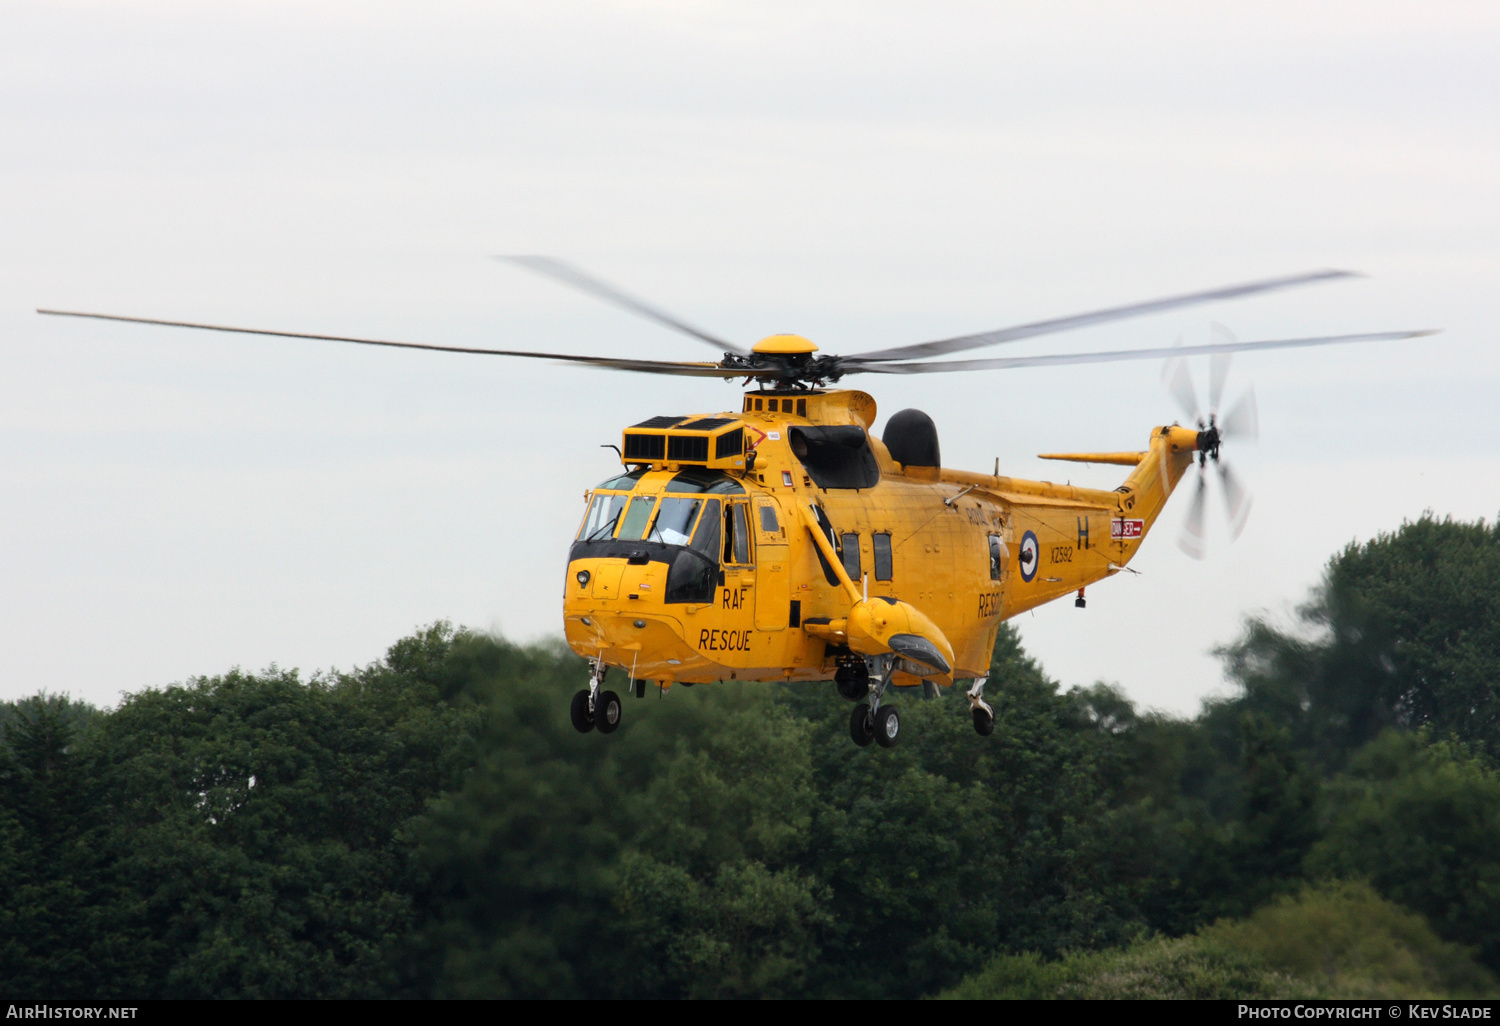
(569,275)
(1114,313)
(852,366)
(701,370)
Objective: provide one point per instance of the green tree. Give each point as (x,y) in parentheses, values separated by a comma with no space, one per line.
(65,929)
(674,841)
(1421,821)
(1336,940)
(1404,632)
(258,818)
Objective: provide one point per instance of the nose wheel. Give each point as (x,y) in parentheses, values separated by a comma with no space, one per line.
(594,708)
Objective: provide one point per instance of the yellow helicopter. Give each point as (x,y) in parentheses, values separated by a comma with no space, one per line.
(783,541)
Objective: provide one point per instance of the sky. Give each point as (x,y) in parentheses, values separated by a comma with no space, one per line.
(869,174)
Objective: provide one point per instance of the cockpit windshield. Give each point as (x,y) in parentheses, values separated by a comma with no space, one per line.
(637,517)
(619,516)
(674,521)
(603,515)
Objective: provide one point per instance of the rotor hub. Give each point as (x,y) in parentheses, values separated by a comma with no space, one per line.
(784,345)
(1209,441)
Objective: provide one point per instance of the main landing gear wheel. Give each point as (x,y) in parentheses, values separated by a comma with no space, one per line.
(984,723)
(861,725)
(888,726)
(579,711)
(607,712)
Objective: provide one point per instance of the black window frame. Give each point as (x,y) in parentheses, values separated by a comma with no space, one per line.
(736,540)
(849,552)
(881,540)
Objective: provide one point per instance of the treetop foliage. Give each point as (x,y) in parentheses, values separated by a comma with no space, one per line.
(432,826)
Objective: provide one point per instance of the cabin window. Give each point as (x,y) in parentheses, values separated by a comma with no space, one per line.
(768,521)
(736,534)
(997,557)
(603,515)
(851,556)
(637,518)
(675,520)
(882,544)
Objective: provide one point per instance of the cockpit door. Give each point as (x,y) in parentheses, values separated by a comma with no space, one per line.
(773,571)
(738,561)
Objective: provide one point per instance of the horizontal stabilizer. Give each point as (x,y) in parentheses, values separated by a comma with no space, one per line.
(1124,459)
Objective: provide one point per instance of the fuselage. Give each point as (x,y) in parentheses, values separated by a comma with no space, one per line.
(706,567)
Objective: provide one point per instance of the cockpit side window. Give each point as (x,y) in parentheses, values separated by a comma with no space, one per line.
(637,517)
(674,520)
(706,538)
(603,515)
(737,534)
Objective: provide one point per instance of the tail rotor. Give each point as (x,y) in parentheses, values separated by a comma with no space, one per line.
(1240,423)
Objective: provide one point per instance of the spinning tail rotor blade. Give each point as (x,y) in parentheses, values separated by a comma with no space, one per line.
(1242,421)
(570,275)
(1193,540)
(1236,498)
(1180,384)
(1218,365)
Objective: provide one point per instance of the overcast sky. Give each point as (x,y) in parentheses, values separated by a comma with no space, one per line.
(866,174)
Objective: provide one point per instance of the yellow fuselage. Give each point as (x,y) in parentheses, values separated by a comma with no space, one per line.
(967,550)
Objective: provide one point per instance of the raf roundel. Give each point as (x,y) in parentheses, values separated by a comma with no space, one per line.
(1030,557)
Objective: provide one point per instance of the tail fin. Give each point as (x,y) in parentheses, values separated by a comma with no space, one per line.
(1145,492)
